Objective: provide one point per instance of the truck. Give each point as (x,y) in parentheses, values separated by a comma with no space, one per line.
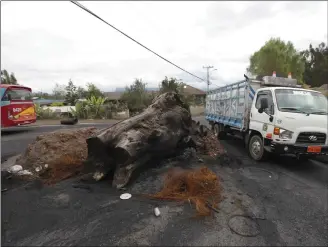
(271,115)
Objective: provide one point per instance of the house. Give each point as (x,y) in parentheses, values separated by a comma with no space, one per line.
(199,95)
(113,96)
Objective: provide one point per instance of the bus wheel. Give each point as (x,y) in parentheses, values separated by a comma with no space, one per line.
(256,149)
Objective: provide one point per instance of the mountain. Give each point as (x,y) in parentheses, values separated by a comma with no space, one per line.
(122,89)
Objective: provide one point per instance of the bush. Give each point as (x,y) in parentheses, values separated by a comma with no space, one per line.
(94,108)
(42,113)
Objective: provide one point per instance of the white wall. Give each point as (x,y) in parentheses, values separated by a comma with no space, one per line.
(62,109)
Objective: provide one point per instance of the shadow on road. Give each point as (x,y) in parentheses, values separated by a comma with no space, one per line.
(313,170)
(16,130)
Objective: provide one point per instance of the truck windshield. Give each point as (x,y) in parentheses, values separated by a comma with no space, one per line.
(293,100)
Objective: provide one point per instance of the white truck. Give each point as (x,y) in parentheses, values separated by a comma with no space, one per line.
(271,115)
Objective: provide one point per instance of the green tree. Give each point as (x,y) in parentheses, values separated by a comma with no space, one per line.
(316,65)
(171,85)
(92,90)
(82,93)
(71,93)
(277,55)
(59,91)
(136,96)
(7,78)
(95,104)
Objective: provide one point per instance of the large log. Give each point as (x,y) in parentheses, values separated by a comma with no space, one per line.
(157,132)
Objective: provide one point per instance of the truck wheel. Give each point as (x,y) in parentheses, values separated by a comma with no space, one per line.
(222,132)
(216,130)
(256,148)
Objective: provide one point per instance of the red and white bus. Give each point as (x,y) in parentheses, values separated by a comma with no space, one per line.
(17,107)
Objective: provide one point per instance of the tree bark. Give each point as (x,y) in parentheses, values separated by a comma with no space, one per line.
(156,132)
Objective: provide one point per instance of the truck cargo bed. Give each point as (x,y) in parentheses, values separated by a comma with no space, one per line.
(230,105)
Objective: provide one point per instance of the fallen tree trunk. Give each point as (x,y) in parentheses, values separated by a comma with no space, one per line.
(159,131)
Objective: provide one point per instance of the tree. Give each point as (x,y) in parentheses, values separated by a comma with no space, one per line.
(276,55)
(316,65)
(8,79)
(82,93)
(171,85)
(95,103)
(92,90)
(59,91)
(136,96)
(71,93)
(41,95)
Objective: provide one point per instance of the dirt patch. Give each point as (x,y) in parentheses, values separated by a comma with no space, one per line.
(198,186)
(57,155)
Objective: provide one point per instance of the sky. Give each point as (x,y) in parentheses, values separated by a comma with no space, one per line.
(49,42)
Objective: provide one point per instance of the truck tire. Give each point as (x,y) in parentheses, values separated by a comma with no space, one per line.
(256,148)
(216,130)
(222,132)
(219,131)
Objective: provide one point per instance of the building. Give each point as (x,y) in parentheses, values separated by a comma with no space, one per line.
(199,95)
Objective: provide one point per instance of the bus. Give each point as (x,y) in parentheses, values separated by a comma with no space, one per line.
(17,107)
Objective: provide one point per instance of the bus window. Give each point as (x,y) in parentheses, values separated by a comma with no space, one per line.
(18,94)
(5,98)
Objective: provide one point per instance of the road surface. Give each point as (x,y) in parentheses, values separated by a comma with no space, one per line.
(287,203)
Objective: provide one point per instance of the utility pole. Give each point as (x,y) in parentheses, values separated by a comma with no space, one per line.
(208,76)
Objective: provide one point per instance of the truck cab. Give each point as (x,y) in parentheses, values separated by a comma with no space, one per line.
(288,120)
(272,115)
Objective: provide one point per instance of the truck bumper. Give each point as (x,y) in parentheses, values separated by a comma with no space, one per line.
(298,149)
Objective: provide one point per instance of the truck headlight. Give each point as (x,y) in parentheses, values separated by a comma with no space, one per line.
(286,134)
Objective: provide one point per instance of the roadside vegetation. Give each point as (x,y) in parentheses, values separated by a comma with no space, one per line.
(91,103)
(309,67)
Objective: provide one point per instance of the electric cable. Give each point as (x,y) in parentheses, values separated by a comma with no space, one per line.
(90,12)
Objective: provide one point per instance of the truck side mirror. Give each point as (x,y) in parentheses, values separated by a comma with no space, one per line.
(263,104)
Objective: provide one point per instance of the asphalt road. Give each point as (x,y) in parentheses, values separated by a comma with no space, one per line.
(286,200)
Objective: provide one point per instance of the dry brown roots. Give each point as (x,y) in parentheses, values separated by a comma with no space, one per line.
(198,186)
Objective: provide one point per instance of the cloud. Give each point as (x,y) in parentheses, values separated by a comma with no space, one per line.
(45,43)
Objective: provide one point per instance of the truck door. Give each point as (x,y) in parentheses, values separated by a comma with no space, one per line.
(263,122)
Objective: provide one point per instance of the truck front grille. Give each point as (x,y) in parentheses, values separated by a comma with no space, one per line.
(311,138)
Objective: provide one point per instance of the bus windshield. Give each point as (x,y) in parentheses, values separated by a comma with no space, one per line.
(293,100)
(17,94)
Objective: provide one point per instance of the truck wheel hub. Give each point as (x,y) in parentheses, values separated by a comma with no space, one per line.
(256,147)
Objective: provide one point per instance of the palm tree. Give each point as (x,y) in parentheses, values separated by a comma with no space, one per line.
(95,103)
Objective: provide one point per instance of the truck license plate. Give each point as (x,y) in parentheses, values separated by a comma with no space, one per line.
(314,149)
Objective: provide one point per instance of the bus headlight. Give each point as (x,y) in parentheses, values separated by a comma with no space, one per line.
(286,134)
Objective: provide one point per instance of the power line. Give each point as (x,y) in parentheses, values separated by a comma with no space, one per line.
(90,12)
